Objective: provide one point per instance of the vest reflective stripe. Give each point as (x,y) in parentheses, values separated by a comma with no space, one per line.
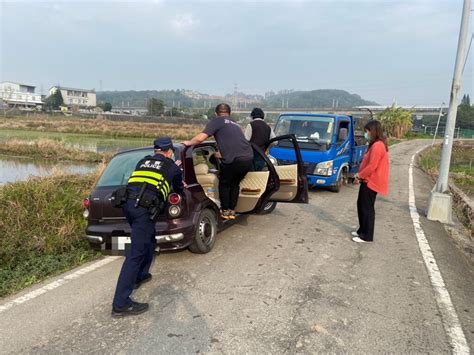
(162,186)
(157,177)
(151,174)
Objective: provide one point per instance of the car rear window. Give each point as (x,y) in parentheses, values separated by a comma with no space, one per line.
(121,167)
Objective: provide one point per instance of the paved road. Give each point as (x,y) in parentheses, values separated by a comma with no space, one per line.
(289,282)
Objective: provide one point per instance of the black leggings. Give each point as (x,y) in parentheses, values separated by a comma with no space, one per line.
(366,212)
(229,182)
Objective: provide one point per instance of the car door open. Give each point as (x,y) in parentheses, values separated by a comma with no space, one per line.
(293,185)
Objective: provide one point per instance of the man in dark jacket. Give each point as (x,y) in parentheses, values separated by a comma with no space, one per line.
(236,155)
(258,131)
(147,189)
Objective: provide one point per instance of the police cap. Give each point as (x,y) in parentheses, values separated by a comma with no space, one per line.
(163,143)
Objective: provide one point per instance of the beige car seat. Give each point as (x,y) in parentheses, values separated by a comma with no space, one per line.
(205,179)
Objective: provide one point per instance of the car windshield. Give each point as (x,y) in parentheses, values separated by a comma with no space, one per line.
(315,130)
(121,167)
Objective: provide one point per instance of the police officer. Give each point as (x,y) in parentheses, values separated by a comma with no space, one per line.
(147,189)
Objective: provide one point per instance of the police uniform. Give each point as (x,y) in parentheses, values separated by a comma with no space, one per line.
(147,190)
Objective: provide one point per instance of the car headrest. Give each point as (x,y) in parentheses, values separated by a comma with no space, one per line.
(201,169)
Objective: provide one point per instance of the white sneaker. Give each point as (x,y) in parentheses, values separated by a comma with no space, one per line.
(354,234)
(358,240)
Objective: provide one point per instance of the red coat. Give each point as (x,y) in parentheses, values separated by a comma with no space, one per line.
(374,168)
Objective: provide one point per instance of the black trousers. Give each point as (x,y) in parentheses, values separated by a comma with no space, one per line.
(229,182)
(366,212)
(139,257)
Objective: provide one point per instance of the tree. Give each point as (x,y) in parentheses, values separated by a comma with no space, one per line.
(211,113)
(466,100)
(54,101)
(465,116)
(155,106)
(105,106)
(396,121)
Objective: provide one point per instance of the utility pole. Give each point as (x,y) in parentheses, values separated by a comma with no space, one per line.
(440,203)
(437,124)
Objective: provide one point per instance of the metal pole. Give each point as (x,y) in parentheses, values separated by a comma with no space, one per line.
(440,203)
(442,184)
(437,124)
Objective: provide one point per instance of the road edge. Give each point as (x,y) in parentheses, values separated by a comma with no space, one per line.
(449,316)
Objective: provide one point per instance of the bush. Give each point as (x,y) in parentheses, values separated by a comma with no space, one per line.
(41,229)
(396,121)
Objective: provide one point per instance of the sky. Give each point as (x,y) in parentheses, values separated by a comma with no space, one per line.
(383,50)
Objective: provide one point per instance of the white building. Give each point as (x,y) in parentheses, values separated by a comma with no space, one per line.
(20,95)
(82,98)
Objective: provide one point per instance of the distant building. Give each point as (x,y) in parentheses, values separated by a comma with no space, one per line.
(81,98)
(20,95)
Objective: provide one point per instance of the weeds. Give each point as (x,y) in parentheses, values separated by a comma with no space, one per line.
(51,150)
(41,229)
(461,170)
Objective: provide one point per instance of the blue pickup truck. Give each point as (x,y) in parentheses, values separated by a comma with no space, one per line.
(330,149)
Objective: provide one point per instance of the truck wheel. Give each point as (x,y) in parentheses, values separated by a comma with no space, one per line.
(268,208)
(341,180)
(205,233)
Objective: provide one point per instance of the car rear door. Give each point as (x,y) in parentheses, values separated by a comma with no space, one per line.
(273,183)
(293,184)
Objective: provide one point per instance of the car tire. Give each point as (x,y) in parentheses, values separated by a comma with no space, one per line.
(268,208)
(205,233)
(341,181)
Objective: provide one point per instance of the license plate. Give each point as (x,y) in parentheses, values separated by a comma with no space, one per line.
(120,243)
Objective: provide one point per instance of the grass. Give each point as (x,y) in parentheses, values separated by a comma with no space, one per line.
(462,165)
(50,150)
(101,127)
(408,136)
(41,229)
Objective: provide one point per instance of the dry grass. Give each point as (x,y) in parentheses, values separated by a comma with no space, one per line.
(51,150)
(101,127)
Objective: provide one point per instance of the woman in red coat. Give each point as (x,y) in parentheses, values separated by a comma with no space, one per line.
(373,178)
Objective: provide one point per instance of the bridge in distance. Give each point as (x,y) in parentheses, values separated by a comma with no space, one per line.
(417,110)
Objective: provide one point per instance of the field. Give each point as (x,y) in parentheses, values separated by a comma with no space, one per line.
(100,127)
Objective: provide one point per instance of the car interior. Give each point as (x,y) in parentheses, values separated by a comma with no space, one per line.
(253,186)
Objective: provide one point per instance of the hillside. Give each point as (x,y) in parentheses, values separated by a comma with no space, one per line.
(316,98)
(295,99)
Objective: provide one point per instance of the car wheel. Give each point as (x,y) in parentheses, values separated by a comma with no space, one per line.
(341,180)
(205,233)
(268,208)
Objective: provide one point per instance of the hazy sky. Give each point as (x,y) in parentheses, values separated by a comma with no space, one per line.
(380,49)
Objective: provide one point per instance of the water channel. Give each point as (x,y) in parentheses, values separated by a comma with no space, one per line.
(14,169)
(20,169)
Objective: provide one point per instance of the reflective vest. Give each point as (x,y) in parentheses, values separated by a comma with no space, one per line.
(152,172)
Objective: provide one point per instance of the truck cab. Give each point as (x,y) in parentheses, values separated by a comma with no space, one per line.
(330,149)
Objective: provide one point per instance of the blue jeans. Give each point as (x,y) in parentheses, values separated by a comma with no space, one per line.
(139,256)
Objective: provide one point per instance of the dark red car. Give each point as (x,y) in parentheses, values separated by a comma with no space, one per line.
(192,219)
